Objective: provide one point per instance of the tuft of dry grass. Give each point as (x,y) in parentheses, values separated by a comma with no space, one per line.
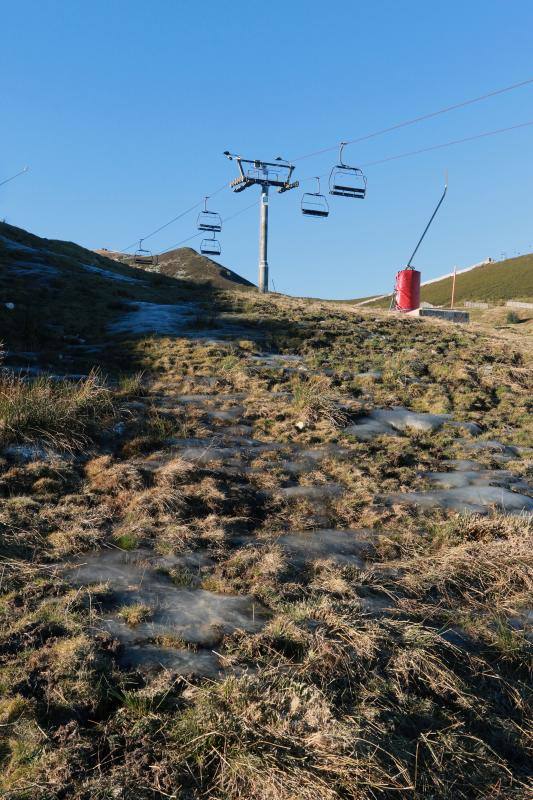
(62,414)
(314,400)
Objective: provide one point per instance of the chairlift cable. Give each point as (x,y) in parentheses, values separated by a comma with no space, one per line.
(196,235)
(421,118)
(12,178)
(433,147)
(448,144)
(175,219)
(399,125)
(374,163)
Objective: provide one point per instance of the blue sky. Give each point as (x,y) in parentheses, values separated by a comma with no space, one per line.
(122,109)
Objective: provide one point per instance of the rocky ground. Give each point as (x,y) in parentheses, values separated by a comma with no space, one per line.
(287,555)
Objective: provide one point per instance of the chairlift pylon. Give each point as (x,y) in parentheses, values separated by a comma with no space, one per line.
(346,181)
(144,256)
(210,247)
(209,220)
(314,204)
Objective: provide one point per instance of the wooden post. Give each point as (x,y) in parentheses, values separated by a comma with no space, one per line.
(453,286)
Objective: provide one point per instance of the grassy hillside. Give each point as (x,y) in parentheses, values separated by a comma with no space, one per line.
(494,283)
(61,292)
(212,585)
(187,264)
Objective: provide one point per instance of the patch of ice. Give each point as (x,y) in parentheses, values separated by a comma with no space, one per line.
(182,661)
(373,374)
(507,452)
(390,421)
(110,275)
(401,418)
(155,318)
(11,244)
(479,477)
(307,460)
(33,268)
(477,499)
(463,464)
(323,492)
(228,415)
(341,546)
(28,452)
(523,621)
(194,615)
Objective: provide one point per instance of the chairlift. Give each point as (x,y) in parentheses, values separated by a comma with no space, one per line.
(210,247)
(143,256)
(209,220)
(314,204)
(346,181)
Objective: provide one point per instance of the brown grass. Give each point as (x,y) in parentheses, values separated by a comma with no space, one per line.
(61,414)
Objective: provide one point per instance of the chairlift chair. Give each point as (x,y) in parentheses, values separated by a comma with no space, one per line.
(210,247)
(314,204)
(209,220)
(346,181)
(144,256)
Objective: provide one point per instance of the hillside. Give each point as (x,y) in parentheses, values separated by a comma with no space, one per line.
(62,292)
(256,547)
(494,282)
(187,264)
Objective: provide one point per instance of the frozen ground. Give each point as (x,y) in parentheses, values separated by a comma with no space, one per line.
(390,421)
(112,276)
(155,318)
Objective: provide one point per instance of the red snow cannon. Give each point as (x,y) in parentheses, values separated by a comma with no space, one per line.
(407,289)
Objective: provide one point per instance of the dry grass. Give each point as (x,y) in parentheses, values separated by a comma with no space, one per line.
(61,414)
(351,690)
(313,400)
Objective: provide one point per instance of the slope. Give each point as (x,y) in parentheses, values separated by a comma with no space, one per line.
(260,569)
(493,282)
(52,291)
(187,264)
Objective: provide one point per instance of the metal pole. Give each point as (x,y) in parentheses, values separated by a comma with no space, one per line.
(427,226)
(263,239)
(453,286)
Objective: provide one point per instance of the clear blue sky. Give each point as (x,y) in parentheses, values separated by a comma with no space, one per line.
(123,108)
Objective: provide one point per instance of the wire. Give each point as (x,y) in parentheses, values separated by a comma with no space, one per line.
(403,124)
(433,147)
(200,233)
(420,119)
(174,219)
(22,171)
(448,144)
(371,164)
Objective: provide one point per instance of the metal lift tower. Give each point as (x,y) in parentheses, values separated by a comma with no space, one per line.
(265,174)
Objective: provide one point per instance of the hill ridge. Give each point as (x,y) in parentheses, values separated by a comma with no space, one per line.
(491,281)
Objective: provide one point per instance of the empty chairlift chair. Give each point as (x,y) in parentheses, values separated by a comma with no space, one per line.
(346,181)
(209,220)
(210,247)
(144,256)
(314,204)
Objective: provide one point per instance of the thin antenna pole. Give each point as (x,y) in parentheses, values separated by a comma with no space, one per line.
(429,223)
(453,286)
(263,239)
